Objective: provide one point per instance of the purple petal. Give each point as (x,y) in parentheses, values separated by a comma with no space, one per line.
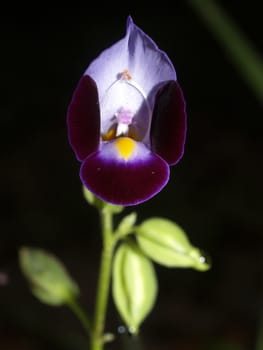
(105,69)
(83,118)
(149,66)
(124,177)
(137,53)
(168,129)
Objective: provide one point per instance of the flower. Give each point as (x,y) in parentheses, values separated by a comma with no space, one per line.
(127,120)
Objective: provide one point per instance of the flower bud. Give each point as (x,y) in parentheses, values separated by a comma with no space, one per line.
(134,285)
(167,244)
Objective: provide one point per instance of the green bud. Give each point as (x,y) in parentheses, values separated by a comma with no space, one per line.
(100,204)
(167,244)
(134,285)
(49,280)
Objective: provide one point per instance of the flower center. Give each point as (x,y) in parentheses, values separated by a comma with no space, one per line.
(125,109)
(124,119)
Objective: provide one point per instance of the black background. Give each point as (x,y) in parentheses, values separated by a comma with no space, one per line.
(214,193)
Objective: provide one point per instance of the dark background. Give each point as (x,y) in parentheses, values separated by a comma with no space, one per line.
(214,193)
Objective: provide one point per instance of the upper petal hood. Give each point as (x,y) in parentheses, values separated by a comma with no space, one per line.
(137,53)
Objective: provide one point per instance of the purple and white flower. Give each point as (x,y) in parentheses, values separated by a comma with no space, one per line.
(127,120)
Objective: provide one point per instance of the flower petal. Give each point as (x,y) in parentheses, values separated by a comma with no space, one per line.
(83,118)
(168,129)
(136,52)
(124,172)
(148,65)
(105,69)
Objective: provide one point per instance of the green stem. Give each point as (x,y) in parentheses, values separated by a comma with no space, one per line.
(97,342)
(81,315)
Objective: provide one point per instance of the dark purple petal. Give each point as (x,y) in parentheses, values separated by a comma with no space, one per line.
(168,128)
(117,180)
(83,118)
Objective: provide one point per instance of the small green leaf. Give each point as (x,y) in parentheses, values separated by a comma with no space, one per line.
(50,282)
(100,204)
(127,223)
(134,285)
(167,244)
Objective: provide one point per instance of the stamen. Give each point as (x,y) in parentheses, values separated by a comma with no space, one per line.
(137,86)
(124,115)
(125,75)
(124,119)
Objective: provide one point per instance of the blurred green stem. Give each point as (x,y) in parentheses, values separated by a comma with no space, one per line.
(259,341)
(81,315)
(240,50)
(97,341)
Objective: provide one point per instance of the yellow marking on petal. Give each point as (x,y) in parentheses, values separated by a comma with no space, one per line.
(125,147)
(110,134)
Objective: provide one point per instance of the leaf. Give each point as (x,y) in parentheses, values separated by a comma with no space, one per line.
(134,285)
(167,244)
(49,280)
(127,223)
